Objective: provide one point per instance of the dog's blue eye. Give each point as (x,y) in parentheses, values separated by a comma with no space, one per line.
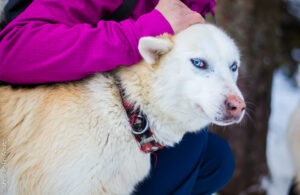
(234,67)
(199,63)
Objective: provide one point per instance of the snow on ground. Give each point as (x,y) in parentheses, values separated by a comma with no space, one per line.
(285,98)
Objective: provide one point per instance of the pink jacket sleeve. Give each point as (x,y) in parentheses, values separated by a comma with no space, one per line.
(62,40)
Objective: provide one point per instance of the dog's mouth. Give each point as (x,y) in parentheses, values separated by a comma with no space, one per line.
(221,117)
(199,108)
(224,120)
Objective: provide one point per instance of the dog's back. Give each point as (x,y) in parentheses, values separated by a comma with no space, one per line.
(59,139)
(30,120)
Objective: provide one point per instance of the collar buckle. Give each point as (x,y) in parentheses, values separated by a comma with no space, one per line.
(140,125)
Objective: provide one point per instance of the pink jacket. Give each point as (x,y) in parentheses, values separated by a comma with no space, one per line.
(63,40)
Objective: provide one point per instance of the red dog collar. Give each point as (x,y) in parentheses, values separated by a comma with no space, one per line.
(140,127)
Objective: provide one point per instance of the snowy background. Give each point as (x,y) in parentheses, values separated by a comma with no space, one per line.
(285,98)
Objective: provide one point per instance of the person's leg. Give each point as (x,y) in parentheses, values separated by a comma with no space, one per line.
(216,168)
(173,167)
(201,163)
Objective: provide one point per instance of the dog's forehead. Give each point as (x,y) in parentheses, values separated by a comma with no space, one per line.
(208,40)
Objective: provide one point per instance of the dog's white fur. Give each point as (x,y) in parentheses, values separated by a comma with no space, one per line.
(75,138)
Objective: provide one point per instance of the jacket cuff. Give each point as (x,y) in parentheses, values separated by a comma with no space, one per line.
(203,7)
(150,24)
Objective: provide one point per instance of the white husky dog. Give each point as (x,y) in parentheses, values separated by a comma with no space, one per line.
(75,138)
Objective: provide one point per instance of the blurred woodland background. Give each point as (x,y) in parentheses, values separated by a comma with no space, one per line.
(267,33)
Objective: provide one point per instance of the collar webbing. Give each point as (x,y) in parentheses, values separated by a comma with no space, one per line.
(140,127)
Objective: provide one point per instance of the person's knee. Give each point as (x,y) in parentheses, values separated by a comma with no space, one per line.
(225,160)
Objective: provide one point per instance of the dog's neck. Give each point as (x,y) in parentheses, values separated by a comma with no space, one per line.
(138,83)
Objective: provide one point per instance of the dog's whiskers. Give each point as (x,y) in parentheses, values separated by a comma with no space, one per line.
(250,103)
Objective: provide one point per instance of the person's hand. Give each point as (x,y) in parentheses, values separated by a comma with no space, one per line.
(178,14)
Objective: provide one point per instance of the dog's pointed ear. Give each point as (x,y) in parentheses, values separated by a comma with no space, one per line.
(151,48)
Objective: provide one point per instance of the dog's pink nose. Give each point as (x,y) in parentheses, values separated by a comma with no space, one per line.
(235,106)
